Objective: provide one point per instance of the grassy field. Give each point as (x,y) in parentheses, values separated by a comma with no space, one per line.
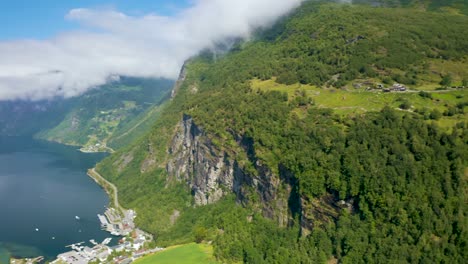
(356,101)
(184,254)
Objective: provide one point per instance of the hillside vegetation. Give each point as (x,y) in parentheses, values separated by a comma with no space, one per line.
(372,177)
(332,45)
(112,115)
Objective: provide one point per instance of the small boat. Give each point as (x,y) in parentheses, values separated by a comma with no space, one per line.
(77,217)
(37,229)
(53,237)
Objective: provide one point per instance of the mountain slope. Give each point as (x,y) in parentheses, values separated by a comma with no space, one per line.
(432,5)
(22,118)
(105,118)
(112,115)
(243,156)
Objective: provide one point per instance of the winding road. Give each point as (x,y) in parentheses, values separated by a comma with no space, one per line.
(94,174)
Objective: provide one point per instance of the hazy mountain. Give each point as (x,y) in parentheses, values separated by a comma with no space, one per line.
(112,114)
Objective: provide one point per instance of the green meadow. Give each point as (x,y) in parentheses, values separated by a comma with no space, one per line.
(184,254)
(352,101)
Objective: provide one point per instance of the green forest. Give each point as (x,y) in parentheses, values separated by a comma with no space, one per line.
(401,174)
(331,45)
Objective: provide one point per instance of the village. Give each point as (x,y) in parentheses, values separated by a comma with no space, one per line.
(132,244)
(370,86)
(114,223)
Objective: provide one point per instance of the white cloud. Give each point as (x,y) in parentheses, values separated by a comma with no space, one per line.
(117,44)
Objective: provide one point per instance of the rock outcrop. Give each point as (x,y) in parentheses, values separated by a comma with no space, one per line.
(180,80)
(195,160)
(212,173)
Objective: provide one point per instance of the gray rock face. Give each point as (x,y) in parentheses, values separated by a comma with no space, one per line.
(180,80)
(123,161)
(211,174)
(150,160)
(195,160)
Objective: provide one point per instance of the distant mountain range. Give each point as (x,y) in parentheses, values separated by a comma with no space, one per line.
(105,117)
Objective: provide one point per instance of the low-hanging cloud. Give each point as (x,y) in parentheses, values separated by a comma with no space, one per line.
(116,44)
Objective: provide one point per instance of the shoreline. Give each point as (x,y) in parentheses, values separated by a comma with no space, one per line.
(135,247)
(80,148)
(113,195)
(105,150)
(108,187)
(117,221)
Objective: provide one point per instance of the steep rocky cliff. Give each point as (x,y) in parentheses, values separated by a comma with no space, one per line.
(180,80)
(209,171)
(212,173)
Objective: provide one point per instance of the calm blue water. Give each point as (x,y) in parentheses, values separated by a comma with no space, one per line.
(44,185)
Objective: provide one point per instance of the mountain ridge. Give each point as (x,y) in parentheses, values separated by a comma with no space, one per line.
(251,165)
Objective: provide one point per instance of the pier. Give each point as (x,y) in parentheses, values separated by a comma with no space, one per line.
(116,223)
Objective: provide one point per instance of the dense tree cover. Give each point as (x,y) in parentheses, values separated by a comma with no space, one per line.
(405,177)
(334,44)
(433,5)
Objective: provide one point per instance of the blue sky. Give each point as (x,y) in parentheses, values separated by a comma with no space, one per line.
(62,48)
(40,19)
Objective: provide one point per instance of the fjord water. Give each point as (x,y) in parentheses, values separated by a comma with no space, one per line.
(44,185)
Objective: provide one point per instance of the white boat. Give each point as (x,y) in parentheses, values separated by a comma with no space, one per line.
(37,229)
(77,217)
